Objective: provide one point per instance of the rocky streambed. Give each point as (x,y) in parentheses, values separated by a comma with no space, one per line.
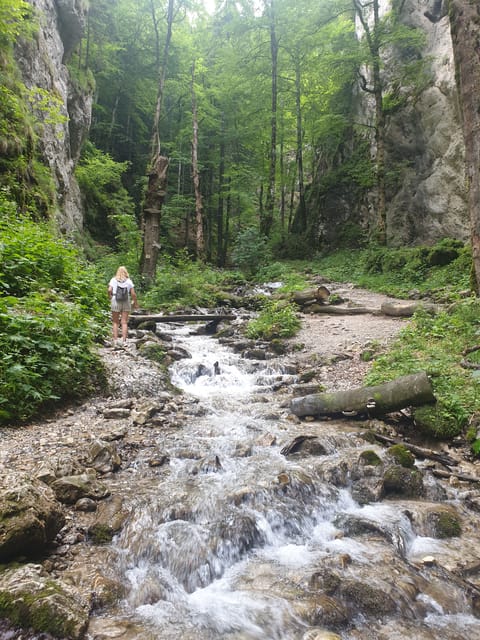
(204,509)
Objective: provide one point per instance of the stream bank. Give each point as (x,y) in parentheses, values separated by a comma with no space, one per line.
(316,525)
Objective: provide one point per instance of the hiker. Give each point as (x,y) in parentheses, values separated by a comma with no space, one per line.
(121,293)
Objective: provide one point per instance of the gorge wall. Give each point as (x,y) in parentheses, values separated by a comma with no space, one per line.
(42,61)
(424,156)
(426,138)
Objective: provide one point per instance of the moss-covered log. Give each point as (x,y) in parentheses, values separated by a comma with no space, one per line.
(412,390)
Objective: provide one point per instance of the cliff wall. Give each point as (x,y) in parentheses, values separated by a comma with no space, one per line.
(65,123)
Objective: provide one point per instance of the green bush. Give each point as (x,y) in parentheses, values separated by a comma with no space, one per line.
(278,319)
(181,282)
(52,309)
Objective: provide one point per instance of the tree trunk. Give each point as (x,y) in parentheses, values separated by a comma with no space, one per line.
(372,35)
(199,235)
(156,191)
(220,222)
(300,221)
(411,390)
(157,179)
(266,220)
(465,28)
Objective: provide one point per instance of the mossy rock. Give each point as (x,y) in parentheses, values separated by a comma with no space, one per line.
(370,458)
(400,480)
(278,347)
(436,421)
(401,455)
(30,598)
(444,522)
(308,376)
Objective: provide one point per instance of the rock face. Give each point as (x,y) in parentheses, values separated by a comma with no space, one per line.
(65,124)
(426,199)
(429,201)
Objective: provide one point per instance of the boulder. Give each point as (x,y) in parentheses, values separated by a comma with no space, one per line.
(30,516)
(109,520)
(31,598)
(104,457)
(70,489)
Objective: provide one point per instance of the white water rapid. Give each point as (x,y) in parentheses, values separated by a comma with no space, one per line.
(237,541)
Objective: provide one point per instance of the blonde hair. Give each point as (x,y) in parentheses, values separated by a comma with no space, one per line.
(122,274)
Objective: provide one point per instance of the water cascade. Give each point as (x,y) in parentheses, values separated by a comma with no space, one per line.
(239,541)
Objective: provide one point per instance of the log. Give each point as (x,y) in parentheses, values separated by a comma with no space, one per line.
(342,311)
(406,310)
(320,294)
(135,320)
(411,390)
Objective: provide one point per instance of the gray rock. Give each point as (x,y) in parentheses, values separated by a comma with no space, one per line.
(30,517)
(33,599)
(104,457)
(69,489)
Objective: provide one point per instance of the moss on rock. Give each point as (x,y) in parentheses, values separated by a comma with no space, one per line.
(401,455)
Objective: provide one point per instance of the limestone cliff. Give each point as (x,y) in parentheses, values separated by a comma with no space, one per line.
(42,61)
(430,201)
(426,197)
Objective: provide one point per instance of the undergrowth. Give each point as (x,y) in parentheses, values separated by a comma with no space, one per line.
(52,310)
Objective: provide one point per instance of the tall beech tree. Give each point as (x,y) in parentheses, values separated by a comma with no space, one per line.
(157,175)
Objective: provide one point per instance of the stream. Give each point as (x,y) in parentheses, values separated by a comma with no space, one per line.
(235,540)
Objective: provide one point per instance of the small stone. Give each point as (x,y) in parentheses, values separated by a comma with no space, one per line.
(428,561)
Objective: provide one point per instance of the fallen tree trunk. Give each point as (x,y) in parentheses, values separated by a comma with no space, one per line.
(406,310)
(320,294)
(341,311)
(412,390)
(419,452)
(135,320)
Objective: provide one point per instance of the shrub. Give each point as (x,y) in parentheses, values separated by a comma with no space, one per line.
(278,319)
(52,309)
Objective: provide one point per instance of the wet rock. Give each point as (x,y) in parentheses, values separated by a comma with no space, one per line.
(86,505)
(145,411)
(72,488)
(104,457)
(106,591)
(109,520)
(399,480)
(178,354)
(304,445)
(210,464)
(367,490)
(401,455)
(320,608)
(254,354)
(30,597)
(243,450)
(30,516)
(159,461)
(266,440)
(320,634)
(438,521)
(369,458)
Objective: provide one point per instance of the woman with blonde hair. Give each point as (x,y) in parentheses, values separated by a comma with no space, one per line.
(121,293)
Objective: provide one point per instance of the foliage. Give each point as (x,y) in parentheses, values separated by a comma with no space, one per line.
(277,319)
(51,312)
(181,283)
(397,272)
(250,251)
(109,210)
(435,344)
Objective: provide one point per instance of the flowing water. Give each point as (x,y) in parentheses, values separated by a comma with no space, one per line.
(238,541)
